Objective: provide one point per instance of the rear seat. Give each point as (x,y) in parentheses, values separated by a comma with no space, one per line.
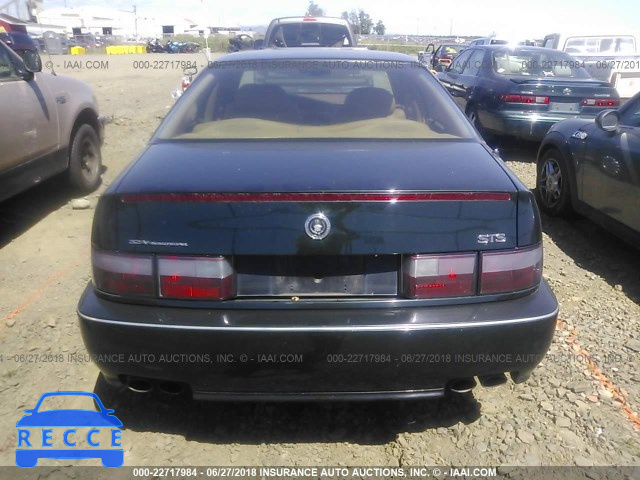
(368,102)
(263,101)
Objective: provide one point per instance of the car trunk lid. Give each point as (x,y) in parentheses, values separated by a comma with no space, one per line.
(381,198)
(567,95)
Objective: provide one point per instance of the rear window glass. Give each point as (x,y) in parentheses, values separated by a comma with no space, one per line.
(315,99)
(600,45)
(536,63)
(310,34)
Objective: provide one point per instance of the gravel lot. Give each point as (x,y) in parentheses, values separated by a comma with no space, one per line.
(579,407)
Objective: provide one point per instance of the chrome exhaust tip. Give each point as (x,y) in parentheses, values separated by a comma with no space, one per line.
(139,385)
(170,388)
(464,385)
(493,380)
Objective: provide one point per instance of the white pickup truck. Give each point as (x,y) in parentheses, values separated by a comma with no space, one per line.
(614,58)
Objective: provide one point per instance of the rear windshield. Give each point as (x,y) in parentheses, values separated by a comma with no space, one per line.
(624,44)
(536,63)
(315,99)
(310,34)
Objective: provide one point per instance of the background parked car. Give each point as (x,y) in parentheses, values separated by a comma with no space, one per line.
(241,42)
(442,56)
(593,168)
(19,42)
(614,58)
(523,91)
(501,41)
(53,126)
(308,32)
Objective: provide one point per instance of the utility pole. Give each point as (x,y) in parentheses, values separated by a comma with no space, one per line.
(135,17)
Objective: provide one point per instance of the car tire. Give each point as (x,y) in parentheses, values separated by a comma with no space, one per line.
(85,159)
(553,184)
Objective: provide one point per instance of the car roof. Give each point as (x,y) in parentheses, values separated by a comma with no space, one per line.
(316,53)
(334,20)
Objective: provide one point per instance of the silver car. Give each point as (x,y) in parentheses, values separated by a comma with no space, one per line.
(50,125)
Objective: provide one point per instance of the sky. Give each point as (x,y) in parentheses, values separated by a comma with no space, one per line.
(431,17)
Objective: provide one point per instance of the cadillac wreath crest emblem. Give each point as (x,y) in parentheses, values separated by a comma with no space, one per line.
(317,226)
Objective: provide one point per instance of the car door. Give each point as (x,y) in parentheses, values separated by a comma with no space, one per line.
(611,170)
(470,79)
(434,57)
(42,131)
(453,79)
(14,119)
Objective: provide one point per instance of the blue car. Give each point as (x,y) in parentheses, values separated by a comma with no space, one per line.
(592,167)
(312,224)
(522,91)
(28,457)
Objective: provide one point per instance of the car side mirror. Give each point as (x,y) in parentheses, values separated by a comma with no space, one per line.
(32,61)
(430,48)
(258,44)
(609,121)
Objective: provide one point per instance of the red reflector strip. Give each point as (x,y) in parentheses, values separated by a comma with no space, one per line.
(318,197)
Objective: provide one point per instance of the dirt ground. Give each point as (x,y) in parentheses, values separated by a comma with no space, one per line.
(579,408)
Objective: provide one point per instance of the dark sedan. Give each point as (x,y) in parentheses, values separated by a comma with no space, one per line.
(523,91)
(316,224)
(19,42)
(593,167)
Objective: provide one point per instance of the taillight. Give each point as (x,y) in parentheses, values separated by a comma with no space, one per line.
(437,276)
(123,274)
(442,276)
(205,278)
(510,271)
(209,278)
(600,102)
(529,99)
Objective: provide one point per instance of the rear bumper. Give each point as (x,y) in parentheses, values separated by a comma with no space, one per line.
(528,126)
(275,354)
